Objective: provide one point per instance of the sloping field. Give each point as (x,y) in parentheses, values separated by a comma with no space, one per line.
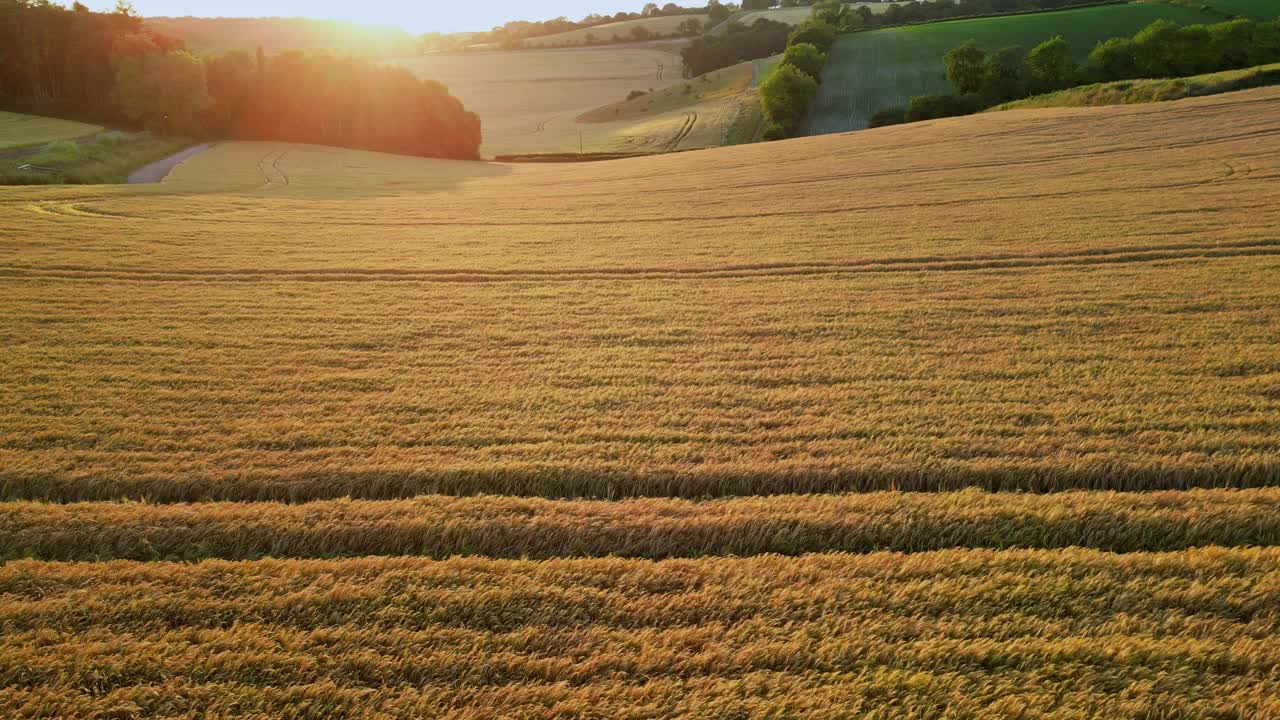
(871,71)
(697,353)
(527,100)
(615,32)
(1043,301)
(21,130)
(1255,9)
(797,15)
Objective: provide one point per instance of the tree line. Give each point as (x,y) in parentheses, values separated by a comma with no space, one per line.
(1163,49)
(111,68)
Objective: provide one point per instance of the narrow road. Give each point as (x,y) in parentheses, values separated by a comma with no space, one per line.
(160,169)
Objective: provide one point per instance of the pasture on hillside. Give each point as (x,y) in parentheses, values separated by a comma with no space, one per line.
(618,32)
(1255,9)
(18,130)
(531,101)
(879,69)
(735,433)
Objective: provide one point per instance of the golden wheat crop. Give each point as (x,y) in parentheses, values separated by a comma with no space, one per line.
(681,348)
(970,633)
(440,527)
(1072,298)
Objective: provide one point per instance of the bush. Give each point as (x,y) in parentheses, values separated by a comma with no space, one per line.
(889,116)
(635,94)
(786,96)
(930,107)
(806,58)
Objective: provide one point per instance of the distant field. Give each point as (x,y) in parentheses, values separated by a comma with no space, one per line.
(1256,9)
(614,32)
(871,71)
(797,15)
(1129,92)
(532,101)
(21,130)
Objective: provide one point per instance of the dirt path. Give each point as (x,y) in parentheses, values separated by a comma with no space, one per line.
(160,169)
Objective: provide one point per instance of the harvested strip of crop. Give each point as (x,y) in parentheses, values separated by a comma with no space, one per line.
(1067,634)
(440,526)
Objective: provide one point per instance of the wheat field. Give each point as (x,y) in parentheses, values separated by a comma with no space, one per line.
(975,418)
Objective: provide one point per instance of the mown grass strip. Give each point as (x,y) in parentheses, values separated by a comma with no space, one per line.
(507,527)
(975,633)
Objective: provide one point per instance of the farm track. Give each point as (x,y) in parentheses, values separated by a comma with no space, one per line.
(690,119)
(269,166)
(895,265)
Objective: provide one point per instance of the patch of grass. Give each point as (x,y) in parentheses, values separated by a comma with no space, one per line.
(21,131)
(1254,9)
(109,159)
(871,71)
(1133,92)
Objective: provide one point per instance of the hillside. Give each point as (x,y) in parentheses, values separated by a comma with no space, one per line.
(733,433)
(1130,92)
(558,101)
(872,71)
(658,27)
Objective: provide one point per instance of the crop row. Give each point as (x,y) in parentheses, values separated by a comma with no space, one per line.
(965,633)
(506,527)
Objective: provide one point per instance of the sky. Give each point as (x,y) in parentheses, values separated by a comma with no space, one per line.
(416,17)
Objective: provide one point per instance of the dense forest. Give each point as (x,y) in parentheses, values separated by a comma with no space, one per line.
(112,68)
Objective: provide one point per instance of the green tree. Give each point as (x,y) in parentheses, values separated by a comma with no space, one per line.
(1004,75)
(1114,59)
(806,58)
(166,91)
(964,67)
(786,96)
(819,34)
(1051,65)
(827,11)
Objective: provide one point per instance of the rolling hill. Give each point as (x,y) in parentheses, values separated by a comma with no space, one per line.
(658,27)
(734,433)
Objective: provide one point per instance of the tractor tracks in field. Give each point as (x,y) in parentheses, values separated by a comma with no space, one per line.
(690,119)
(269,166)
(1173,252)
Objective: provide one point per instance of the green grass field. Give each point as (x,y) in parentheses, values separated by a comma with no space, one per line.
(22,130)
(871,71)
(1256,9)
